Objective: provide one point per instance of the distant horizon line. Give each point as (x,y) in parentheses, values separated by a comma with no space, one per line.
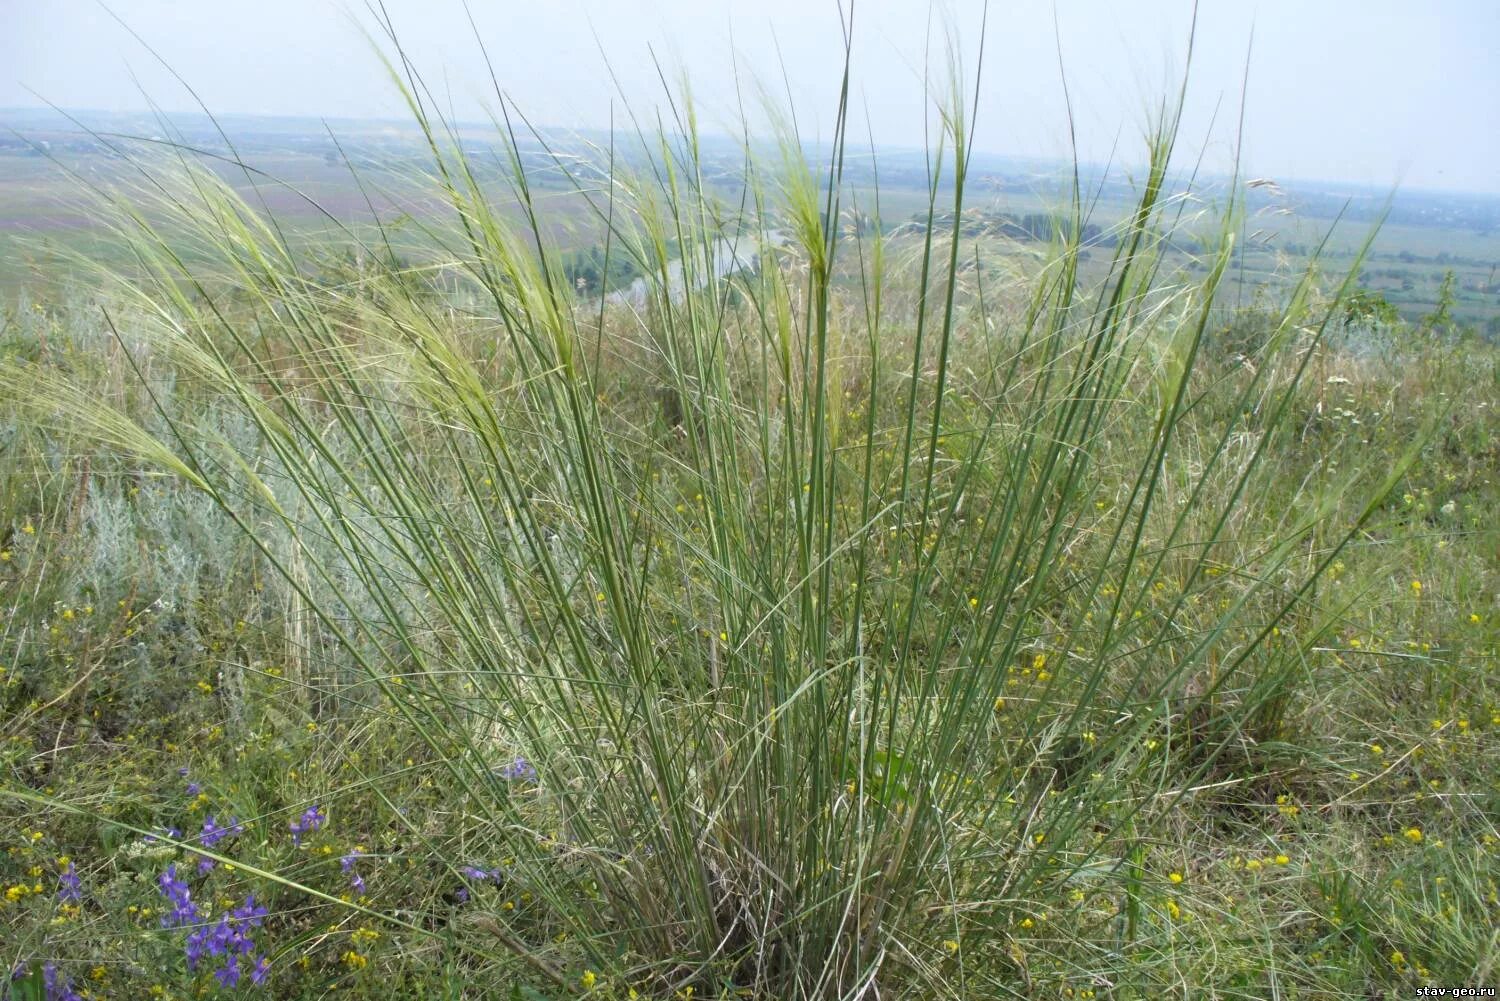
(1286,182)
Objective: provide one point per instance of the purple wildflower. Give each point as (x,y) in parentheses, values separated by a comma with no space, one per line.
(228,975)
(184,911)
(251,911)
(213,833)
(228,940)
(356,881)
(70,887)
(312,818)
(194,788)
(475,874)
(58,991)
(519,770)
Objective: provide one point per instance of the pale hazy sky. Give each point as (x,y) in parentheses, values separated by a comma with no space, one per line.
(1371,91)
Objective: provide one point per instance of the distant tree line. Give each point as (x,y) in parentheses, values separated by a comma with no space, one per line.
(591,274)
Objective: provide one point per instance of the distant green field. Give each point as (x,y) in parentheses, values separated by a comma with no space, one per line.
(43,216)
(46,219)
